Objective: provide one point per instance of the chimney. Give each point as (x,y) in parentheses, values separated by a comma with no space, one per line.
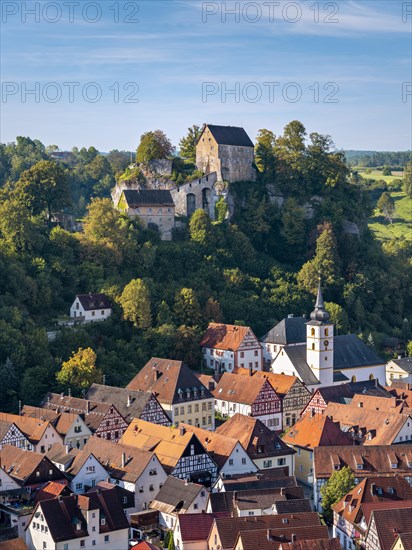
(234,496)
(360,404)
(250,370)
(129,400)
(61,395)
(182,430)
(269,536)
(87,406)
(373,489)
(68,447)
(294,537)
(156,374)
(290,316)
(283,491)
(123,460)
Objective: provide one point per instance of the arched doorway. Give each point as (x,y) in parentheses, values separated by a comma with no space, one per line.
(190,204)
(206,200)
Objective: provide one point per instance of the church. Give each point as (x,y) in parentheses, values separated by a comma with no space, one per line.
(310,350)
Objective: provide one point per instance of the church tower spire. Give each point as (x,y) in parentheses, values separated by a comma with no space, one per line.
(319,342)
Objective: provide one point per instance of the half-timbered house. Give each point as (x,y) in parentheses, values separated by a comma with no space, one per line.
(130,403)
(103,419)
(292,392)
(251,396)
(179,451)
(11,435)
(225,347)
(40,433)
(71,427)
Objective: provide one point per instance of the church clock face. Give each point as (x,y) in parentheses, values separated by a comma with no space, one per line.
(326,342)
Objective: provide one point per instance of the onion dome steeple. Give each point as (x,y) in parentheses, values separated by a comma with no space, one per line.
(319,313)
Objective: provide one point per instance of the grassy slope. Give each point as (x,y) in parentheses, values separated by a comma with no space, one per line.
(402,221)
(377,175)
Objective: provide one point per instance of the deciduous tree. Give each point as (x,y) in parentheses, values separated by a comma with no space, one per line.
(339,483)
(80,370)
(135,302)
(386,205)
(153,146)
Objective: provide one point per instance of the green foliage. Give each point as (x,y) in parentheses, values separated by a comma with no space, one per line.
(293,222)
(386,205)
(80,371)
(187,144)
(339,483)
(409,348)
(187,309)
(338,316)
(386,171)
(325,264)
(407,180)
(153,146)
(221,209)
(43,188)
(135,302)
(200,228)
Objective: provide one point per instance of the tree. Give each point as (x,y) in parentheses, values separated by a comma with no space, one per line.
(339,483)
(370,341)
(171,545)
(265,154)
(221,209)
(386,205)
(386,171)
(164,315)
(407,180)
(338,316)
(200,227)
(293,221)
(409,348)
(187,144)
(135,302)
(44,188)
(80,370)
(20,230)
(406,330)
(153,146)
(213,311)
(326,263)
(187,309)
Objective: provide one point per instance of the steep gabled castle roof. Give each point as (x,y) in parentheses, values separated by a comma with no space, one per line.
(229,135)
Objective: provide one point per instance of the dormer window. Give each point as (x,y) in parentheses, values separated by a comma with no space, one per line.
(394,465)
(359,466)
(336,467)
(103,521)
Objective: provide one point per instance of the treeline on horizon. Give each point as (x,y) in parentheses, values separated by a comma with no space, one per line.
(254,269)
(378,159)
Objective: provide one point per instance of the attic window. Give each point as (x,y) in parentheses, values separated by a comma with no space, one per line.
(103,521)
(391,490)
(336,467)
(394,465)
(359,465)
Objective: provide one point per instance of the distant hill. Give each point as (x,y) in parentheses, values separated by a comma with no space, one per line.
(374,159)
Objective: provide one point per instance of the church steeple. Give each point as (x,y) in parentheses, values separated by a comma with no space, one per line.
(319,313)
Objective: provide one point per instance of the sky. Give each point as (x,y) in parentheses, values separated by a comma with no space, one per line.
(80,73)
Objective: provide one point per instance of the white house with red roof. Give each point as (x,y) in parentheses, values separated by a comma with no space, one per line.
(228,346)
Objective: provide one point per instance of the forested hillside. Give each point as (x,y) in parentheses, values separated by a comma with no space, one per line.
(256,268)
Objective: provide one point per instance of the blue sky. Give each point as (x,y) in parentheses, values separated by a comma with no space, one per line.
(342,75)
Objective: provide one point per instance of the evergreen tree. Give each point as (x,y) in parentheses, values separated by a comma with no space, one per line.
(187,309)
(187,144)
(164,315)
(325,264)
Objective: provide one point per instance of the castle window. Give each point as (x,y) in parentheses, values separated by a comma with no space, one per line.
(312,332)
(326,358)
(326,332)
(313,346)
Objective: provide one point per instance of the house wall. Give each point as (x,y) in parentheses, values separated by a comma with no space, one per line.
(228,408)
(303,465)
(90,316)
(49,438)
(405,434)
(6,482)
(78,434)
(112,426)
(238,462)
(147,486)
(275,462)
(394,372)
(199,413)
(372,539)
(162,216)
(89,475)
(365,373)
(345,532)
(15,437)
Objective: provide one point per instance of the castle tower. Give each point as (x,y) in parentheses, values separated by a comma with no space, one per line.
(319,342)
